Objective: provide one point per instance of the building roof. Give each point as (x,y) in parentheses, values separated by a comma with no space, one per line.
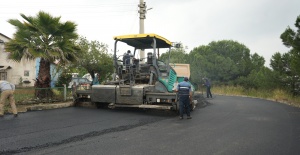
(5,36)
(4,67)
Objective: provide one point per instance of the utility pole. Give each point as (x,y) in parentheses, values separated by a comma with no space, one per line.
(142,11)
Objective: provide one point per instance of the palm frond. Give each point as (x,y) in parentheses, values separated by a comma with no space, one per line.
(43,36)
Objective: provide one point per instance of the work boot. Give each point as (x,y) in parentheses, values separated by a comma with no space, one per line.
(189,117)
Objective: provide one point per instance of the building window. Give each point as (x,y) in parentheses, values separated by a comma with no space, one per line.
(26,73)
(3,76)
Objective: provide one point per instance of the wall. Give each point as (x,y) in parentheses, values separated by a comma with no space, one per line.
(19,71)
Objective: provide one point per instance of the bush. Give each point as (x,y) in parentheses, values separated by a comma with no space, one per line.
(64,78)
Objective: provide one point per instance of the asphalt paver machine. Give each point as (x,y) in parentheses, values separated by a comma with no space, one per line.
(141,82)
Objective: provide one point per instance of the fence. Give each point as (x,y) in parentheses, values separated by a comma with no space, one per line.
(29,95)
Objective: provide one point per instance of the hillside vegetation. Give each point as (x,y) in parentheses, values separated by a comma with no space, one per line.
(233,70)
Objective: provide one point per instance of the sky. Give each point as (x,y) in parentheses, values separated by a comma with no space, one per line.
(257,24)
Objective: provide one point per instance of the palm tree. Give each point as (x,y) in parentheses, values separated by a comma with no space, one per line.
(44,37)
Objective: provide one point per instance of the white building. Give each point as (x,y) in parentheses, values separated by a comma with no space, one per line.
(23,72)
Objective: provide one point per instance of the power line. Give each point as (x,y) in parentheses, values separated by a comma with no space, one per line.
(33,5)
(99,8)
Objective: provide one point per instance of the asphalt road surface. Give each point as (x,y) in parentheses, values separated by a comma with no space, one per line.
(228,125)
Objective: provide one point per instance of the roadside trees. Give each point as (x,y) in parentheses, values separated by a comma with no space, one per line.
(289,63)
(291,39)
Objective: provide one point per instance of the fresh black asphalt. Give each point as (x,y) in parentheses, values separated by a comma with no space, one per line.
(227,125)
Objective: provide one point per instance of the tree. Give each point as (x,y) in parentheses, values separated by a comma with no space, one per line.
(262,78)
(257,62)
(198,64)
(222,61)
(44,37)
(95,58)
(281,63)
(177,55)
(291,39)
(236,51)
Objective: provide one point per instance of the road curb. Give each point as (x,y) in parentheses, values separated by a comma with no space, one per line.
(49,106)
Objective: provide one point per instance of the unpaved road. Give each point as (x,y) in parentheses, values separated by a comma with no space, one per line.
(229,125)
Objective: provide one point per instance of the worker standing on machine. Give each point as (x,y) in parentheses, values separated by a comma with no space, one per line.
(126,58)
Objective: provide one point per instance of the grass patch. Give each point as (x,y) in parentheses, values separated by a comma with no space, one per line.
(23,94)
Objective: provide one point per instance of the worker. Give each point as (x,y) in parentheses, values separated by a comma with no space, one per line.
(126,58)
(208,85)
(185,94)
(7,92)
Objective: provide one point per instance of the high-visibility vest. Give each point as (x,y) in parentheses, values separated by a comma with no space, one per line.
(184,89)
